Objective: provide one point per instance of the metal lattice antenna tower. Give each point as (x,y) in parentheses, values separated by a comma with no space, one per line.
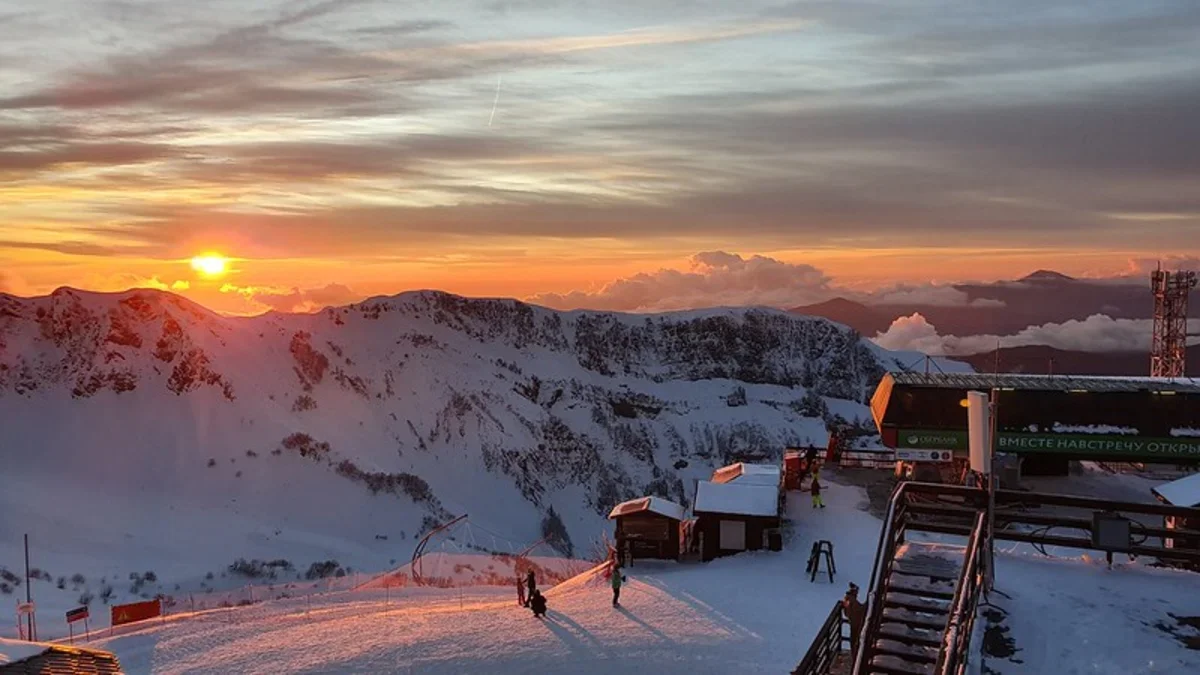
(1168,353)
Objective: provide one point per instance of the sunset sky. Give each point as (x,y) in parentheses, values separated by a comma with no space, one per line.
(568,151)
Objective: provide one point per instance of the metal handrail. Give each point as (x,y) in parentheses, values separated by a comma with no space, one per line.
(883,559)
(956,641)
(819,658)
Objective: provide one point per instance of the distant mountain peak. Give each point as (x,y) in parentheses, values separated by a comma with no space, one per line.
(1047,275)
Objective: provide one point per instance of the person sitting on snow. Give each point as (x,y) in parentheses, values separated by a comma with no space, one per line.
(537,602)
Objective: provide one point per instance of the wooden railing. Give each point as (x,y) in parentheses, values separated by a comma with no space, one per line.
(956,643)
(1033,518)
(827,645)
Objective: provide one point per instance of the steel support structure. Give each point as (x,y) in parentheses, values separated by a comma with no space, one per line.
(1168,352)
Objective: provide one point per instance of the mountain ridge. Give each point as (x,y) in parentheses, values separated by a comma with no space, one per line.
(136,422)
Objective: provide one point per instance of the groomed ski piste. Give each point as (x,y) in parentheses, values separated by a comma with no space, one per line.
(752,613)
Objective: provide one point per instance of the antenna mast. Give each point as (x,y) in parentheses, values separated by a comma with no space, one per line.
(1168,352)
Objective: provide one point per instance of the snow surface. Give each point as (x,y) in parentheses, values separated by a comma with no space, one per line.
(12,651)
(1076,616)
(1186,432)
(663,507)
(143,433)
(752,613)
(733,498)
(1182,492)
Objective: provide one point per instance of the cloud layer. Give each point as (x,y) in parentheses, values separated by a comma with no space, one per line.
(1097,333)
(359,129)
(719,278)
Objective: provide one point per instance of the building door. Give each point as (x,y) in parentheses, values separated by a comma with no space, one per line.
(733,535)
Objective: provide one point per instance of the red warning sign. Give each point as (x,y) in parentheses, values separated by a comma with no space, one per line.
(137,611)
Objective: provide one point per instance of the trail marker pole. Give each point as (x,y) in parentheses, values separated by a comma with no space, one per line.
(32,632)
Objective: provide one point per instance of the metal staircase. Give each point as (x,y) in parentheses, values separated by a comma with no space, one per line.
(922,596)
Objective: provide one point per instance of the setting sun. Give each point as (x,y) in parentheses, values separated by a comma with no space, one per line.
(210,264)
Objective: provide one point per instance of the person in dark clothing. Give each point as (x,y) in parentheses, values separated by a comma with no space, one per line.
(810,456)
(537,602)
(617,578)
(856,614)
(530,584)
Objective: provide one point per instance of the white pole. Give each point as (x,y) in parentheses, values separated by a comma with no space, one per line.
(990,578)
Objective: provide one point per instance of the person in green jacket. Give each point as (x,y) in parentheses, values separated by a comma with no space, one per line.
(617,578)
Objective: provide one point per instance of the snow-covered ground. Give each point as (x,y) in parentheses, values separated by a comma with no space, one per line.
(141,433)
(1076,616)
(755,612)
(752,613)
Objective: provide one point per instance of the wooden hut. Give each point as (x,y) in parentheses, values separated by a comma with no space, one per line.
(1182,492)
(648,528)
(731,518)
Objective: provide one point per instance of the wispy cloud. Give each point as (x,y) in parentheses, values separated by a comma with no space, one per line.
(359,128)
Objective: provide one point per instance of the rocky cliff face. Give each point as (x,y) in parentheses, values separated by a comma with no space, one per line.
(437,402)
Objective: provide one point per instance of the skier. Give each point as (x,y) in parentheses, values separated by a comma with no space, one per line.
(816,490)
(537,602)
(530,584)
(617,578)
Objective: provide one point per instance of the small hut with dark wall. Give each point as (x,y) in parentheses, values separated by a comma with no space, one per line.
(732,517)
(647,528)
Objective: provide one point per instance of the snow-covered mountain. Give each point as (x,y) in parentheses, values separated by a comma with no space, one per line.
(140,429)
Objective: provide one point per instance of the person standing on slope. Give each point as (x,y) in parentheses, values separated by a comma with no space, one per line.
(530,584)
(617,578)
(816,490)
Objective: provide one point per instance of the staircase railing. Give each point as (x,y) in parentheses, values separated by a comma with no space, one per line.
(956,644)
(827,645)
(890,536)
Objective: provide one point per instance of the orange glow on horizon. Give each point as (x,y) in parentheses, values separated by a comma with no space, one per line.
(211,264)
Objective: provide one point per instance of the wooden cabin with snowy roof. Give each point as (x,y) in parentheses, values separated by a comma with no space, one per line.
(733,517)
(648,528)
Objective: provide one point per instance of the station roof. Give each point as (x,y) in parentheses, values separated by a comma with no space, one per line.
(1094,384)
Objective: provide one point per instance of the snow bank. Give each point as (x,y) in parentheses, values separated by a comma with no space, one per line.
(1185,432)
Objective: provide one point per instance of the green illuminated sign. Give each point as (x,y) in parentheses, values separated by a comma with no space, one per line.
(933,440)
(1087,445)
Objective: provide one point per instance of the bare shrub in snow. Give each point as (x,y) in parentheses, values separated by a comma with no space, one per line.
(323,570)
(304,402)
